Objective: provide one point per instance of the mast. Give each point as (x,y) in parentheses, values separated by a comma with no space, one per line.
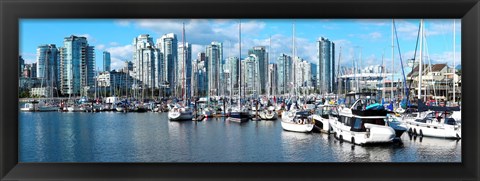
(393,63)
(338,71)
(383,75)
(294,62)
(239,63)
(183,66)
(454,61)
(420,64)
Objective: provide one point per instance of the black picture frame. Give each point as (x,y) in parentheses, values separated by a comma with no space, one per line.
(11,11)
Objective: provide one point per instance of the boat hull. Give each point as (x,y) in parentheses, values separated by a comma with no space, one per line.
(180,116)
(294,127)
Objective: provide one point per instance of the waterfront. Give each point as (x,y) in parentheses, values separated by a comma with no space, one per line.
(151,137)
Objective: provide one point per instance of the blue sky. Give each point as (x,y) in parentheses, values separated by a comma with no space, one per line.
(367,38)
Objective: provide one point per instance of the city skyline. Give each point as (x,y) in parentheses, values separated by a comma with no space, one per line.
(370,38)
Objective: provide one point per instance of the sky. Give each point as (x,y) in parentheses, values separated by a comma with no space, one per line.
(363,40)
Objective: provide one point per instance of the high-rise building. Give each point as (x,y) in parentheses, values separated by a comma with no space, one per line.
(262,58)
(77,65)
(214,57)
(33,70)
(272,79)
(284,74)
(147,63)
(106,61)
(48,65)
(21,65)
(168,46)
(231,66)
(326,65)
(184,69)
(250,76)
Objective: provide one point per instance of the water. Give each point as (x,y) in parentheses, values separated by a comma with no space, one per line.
(151,137)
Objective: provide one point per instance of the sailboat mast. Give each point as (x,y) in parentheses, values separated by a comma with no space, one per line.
(420,64)
(293,58)
(393,62)
(239,63)
(184,62)
(454,61)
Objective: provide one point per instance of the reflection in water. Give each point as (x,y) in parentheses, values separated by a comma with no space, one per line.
(151,137)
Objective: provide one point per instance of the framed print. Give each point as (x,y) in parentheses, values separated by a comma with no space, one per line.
(239,90)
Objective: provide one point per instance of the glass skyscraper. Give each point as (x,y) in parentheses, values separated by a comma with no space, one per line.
(326,65)
(214,57)
(77,65)
(48,65)
(262,58)
(168,45)
(106,61)
(284,74)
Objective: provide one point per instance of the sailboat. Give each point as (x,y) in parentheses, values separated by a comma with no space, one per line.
(431,121)
(239,113)
(182,111)
(294,119)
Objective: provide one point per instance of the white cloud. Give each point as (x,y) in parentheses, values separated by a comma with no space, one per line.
(123,22)
(119,55)
(89,37)
(100,47)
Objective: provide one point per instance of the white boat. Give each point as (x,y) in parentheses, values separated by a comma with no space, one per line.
(322,117)
(296,121)
(268,114)
(28,107)
(179,113)
(362,126)
(433,124)
(73,108)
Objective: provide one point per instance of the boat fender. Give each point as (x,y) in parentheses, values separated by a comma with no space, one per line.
(341,138)
(353,140)
(421,133)
(414,131)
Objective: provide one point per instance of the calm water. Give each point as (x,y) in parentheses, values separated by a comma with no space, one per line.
(151,137)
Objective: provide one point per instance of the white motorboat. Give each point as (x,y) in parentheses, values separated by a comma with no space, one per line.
(238,114)
(28,107)
(362,126)
(322,117)
(296,121)
(207,112)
